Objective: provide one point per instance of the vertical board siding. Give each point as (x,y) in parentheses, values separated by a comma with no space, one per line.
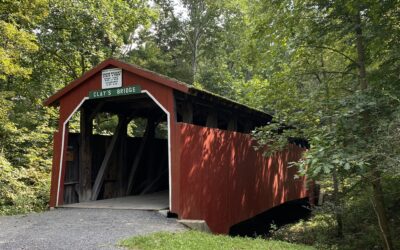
(215,175)
(71,100)
(225,181)
(55,168)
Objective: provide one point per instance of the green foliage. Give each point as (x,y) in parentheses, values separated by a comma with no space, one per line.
(22,190)
(317,231)
(25,159)
(360,230)
(77,35)
(13,45)
(327,83)
(105,124)
(199,240)
(25,137)
(44,45)
(17,40)
(314,85)
(302,61)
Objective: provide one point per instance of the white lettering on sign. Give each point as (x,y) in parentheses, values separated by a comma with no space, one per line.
(111,78)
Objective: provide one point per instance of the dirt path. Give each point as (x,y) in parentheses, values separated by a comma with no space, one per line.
(79,228)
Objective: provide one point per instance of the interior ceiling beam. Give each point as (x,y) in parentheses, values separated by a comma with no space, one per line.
(134,112)
(130,106)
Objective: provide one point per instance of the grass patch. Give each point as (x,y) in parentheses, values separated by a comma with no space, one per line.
(198,240)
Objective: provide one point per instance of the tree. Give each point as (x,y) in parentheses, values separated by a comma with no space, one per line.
(77,35)
(24,153)
(332,83)
(184,28)
(18,40)
(44,45)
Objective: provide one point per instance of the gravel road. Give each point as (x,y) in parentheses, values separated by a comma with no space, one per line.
(79,228)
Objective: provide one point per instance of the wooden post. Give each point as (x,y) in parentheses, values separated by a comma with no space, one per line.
(248,126)
(212,120)
(149,132)
(122,161)
(187,112)
(100,176)
(95,111)
(85,156)
(232,124)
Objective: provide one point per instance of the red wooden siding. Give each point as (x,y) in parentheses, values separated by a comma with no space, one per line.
(71,100)
(216,175)
(225,181)
(55,168)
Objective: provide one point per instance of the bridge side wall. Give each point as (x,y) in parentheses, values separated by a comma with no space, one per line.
(225,181)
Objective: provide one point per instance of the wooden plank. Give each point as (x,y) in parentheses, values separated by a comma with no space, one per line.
(232,124)
(212,120)
(161,171)
(150,186)
(100,176)
(96,110)
(151,156)
(121,183)
(248,126)
(85,156)
(149,132)
(187,112)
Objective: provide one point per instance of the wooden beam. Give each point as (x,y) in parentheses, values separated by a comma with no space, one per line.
(85,155)
(212,120)
(149,132)
(95,111)
(248,126)
(161,169)
(151,185)
(232,124)
(187,112)
(121,183)
(100,176)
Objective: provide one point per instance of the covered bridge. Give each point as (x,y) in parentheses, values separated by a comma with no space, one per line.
(195,153)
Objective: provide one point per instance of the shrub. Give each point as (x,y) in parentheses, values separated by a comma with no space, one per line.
(22,190)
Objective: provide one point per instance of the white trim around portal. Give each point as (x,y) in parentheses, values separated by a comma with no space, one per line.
(62,147)
(169,145)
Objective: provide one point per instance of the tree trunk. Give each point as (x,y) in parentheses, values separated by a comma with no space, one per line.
(336,196)
(362,72)
(377,193)
(337,204)
(194,55)
(380,211)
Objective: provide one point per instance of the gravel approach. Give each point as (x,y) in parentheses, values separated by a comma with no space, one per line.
(71,228)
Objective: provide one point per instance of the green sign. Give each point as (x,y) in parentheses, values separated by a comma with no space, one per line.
(103,93)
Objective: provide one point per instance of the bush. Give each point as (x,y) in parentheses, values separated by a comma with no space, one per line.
(360,227)
(22,190)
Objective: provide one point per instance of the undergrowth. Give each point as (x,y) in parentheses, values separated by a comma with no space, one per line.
(360,227)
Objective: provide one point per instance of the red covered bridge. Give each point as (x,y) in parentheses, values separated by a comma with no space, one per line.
(195,153)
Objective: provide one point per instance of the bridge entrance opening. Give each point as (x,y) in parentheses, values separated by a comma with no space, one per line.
(118,154)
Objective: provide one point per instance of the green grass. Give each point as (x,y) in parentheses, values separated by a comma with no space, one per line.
(198,240)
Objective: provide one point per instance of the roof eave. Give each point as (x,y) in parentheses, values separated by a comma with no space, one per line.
(172,83)
(193,90)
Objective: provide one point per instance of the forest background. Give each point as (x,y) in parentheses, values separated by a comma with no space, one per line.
(328,69)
